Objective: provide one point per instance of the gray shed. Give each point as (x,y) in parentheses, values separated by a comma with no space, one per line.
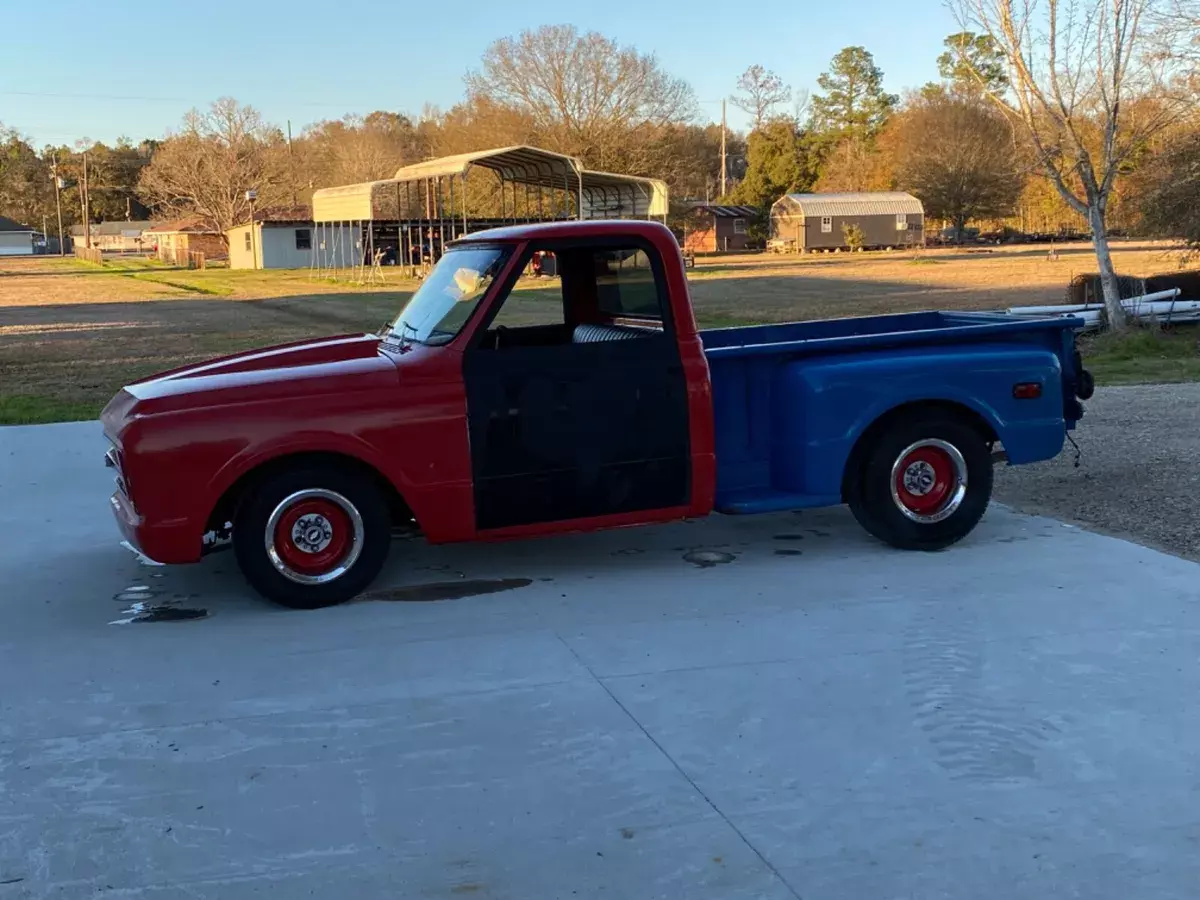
(816,221)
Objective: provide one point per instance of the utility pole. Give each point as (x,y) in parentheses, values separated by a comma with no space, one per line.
(85,205)
(291,164)
(58,186)
(722,148)
(251,196)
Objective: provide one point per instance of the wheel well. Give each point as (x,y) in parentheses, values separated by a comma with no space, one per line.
(948,408)
(227,505)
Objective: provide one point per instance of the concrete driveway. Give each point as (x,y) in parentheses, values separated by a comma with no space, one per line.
(794,712)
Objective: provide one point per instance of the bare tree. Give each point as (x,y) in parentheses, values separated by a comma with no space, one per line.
(1090,89)
(585,94)
(760,91)
(206,169)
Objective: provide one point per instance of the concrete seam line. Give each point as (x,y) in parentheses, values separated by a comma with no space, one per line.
(695,787)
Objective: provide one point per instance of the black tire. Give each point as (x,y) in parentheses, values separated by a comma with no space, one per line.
(331,495)
(869,491)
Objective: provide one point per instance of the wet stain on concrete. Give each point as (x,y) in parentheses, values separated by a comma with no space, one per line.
(447,590)
(706,559)
(788,551)
(145,610)
(627,833)
(789,537)
(469,888)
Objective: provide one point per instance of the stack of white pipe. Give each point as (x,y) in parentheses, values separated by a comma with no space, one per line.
(1161,305)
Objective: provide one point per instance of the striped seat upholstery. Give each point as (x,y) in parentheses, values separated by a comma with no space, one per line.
(594,334)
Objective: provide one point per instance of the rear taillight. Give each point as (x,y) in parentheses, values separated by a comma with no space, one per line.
(1027,390)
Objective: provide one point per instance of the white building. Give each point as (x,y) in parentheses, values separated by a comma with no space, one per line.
(15,239)
(284,242)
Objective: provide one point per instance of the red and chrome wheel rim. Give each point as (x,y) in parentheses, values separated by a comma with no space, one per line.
(929,481)
(314,536)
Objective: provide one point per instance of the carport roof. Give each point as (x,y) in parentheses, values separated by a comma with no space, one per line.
(519,164)
(864,203)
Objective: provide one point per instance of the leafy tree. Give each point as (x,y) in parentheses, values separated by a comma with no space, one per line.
(1169,192)
(853,235)
(854,164)
(760,91)
(26,192)
(853,101)
(958,155)
(779,160)
(972,62)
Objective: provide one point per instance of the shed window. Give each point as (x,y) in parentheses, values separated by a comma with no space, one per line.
(901,221)
(739,226)
(303,238)
(826,224)
(249,242)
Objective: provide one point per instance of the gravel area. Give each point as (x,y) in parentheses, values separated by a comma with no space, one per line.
(1138,477)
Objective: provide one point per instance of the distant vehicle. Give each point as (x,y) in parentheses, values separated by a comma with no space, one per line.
(614,411)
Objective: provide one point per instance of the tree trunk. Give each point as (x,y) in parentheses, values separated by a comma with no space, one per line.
(1108,276)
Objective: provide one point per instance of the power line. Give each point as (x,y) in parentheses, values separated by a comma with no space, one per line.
(316,104)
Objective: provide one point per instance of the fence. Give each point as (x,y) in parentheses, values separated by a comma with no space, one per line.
(185,259)
(90,254)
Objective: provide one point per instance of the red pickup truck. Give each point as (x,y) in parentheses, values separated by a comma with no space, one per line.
(489,410)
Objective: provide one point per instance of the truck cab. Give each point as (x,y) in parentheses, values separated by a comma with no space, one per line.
(499,406)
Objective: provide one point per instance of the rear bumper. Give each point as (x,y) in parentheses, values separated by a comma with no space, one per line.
(172,543)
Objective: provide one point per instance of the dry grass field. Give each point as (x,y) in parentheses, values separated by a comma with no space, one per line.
(72,333)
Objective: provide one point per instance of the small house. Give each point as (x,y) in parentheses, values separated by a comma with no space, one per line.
(172,240)
(821,221)
(281,238)
(117,237)
(15,239)
(717,229)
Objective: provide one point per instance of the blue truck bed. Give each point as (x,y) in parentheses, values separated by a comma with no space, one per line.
(791,401)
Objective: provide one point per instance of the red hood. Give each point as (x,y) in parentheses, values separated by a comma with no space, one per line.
(307,367)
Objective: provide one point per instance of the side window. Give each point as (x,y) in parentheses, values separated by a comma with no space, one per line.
(739,226)
(826,224)
(248,246)
(303,239)
(625,285)
(901,221)
(537,297)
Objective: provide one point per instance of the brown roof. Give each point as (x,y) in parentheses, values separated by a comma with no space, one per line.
(190,225)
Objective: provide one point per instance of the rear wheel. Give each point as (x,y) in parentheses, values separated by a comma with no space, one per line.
(312,537)
(924,483)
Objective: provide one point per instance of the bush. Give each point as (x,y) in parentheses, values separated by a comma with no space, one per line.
(853,236)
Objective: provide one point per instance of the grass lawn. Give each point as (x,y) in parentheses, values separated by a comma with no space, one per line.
(72,333)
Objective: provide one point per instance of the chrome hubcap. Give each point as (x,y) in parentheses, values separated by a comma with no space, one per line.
(312,534)
(919,478)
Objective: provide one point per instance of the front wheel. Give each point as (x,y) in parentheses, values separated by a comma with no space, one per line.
(312,537)
(924,484)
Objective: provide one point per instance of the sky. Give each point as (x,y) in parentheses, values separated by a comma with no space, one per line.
(83,73)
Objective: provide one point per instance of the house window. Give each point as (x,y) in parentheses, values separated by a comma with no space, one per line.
(739,226)
(303,238)
(901,221)
(249,242)
(826,224)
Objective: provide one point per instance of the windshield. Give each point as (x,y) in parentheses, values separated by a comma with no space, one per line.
(446,299)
